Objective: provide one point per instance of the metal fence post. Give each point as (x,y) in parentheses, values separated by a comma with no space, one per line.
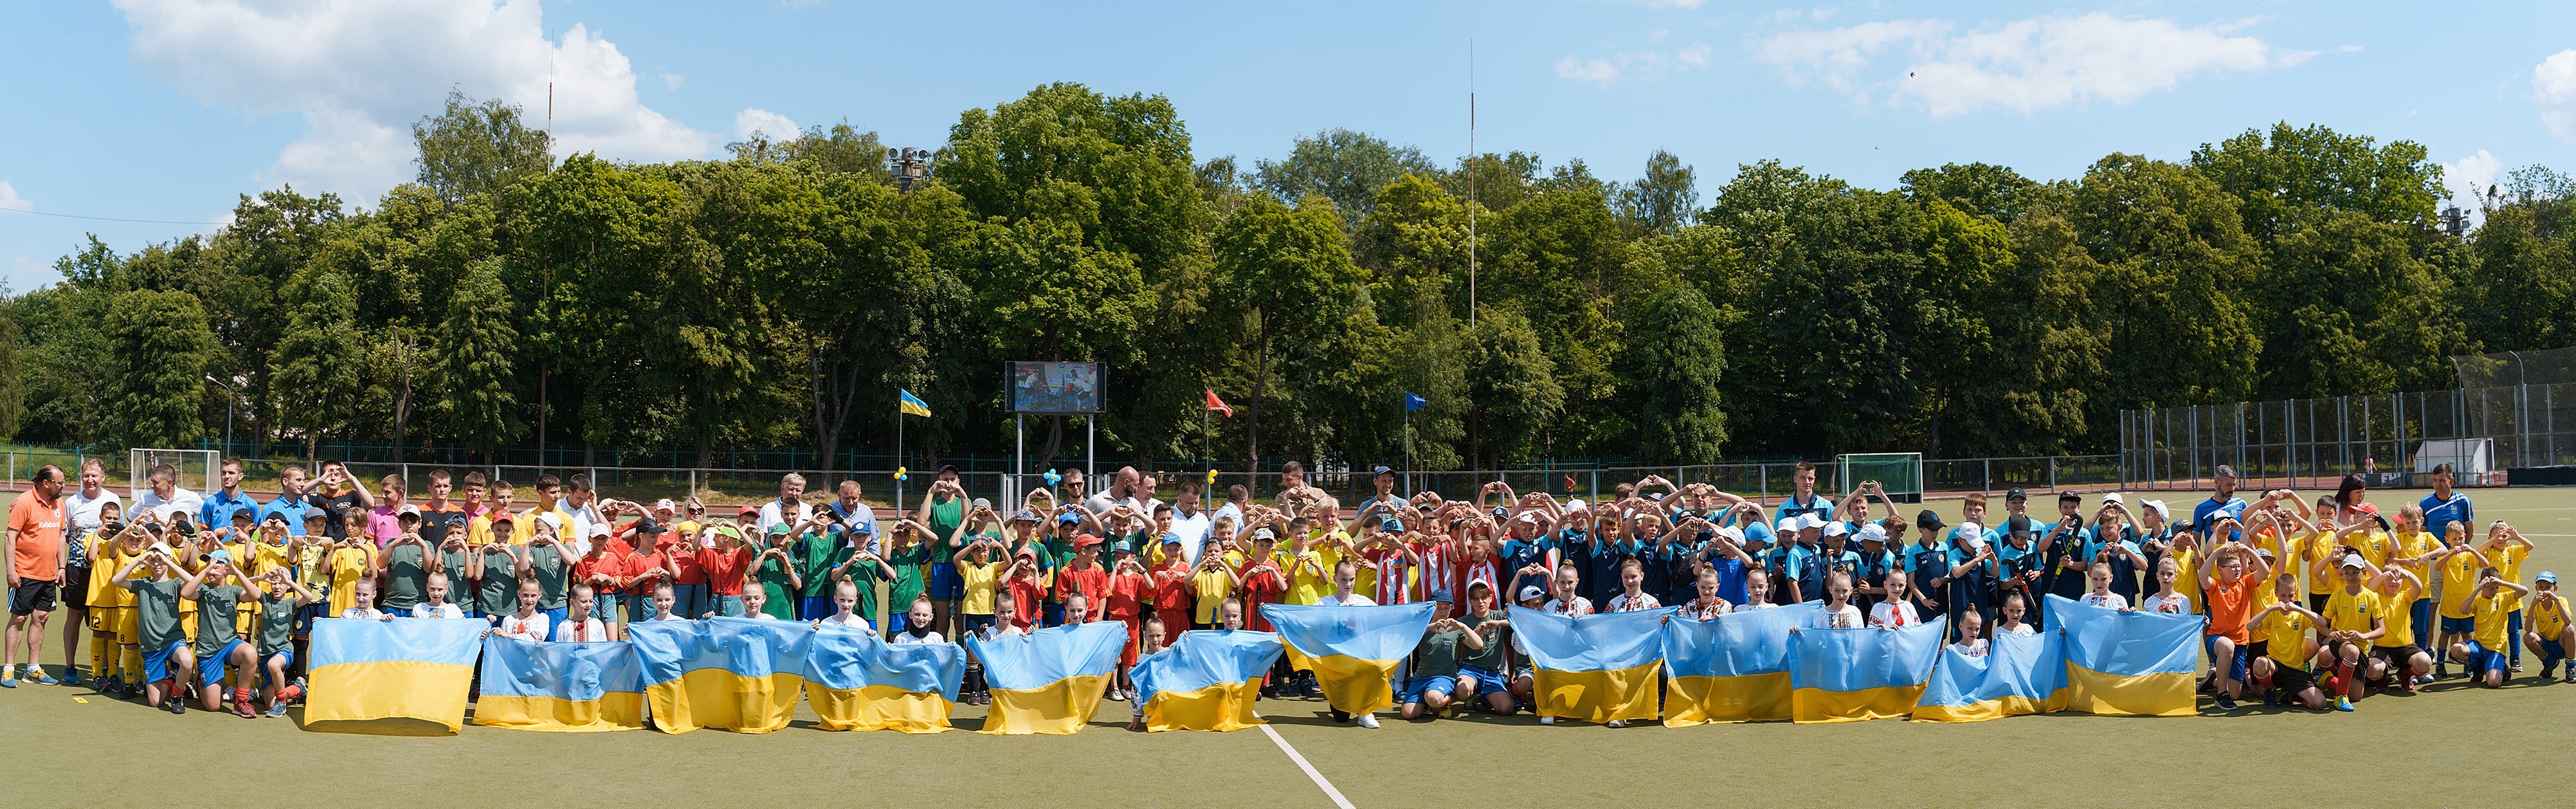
(2052,476)
(1986,481)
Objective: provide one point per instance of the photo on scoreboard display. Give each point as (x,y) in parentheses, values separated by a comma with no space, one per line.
(1055,387)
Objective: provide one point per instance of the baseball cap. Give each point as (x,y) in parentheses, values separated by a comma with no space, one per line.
(1837,528)
(1501,512)
(498,515)
(1069,518)
(318,515)
(1872,533)
(1736,535)
(2016,494)
(648,525)
(778,529)
(1472,584)
(2157,506)
(2113,497)
(600,529)
(2017,526)
(1122,546)
(1027,515)
(244,515)
(665,504)
(1442,596)
(550,520)
(1531,591)
(1381,470)
(276,517)
(867,528)
(2266,552)
(2066,496)
(1970,534)
(1928,521)
(1390,524)
(2546,576)
(1085,540)
(1576,504)
(408,510)
(2353,562)
(749,511)
(1788,525)
(1264,535)
(1171,538)
(1810,520)
(982,502)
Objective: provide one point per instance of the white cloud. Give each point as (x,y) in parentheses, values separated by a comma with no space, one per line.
(361,72)
(1646,64)
(2026,65)
(2467,178)
(9,199)
(769,124)
(674,81)
(2553,84)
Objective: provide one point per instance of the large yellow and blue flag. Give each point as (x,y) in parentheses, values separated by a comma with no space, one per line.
(1733,668)
(736,674)
(1205,681)
(2019,675)
(560,686)
(1352,650)
(405,669)
(1050,680)
(2127,663)
(1848,675)
(1595,668)
(856,682)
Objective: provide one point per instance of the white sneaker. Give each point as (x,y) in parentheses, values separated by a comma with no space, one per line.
(1615,723)
(1368,721)
(1547,720)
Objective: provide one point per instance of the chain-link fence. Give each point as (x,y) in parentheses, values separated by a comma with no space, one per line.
(2390,438)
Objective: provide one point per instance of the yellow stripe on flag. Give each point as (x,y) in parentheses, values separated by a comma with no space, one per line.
(389,689)
(616,710)
(1742,698)
(1220,707)
(2162,694)
(1060,708)
(715,698)
(1600,696)
(877,707)
(1816,705)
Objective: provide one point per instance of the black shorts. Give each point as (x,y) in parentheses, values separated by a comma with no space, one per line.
(33,597)
(2290,680)
(2396,656)
(2317,603)
(2256,649)
(75,587)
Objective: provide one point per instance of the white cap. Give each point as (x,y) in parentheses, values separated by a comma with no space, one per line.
(599,529)
(1731,533)
(2157,506)
(665,504)
(1837,528)
(550,520)
(1970,534)
(1873,531)
(1575,504)
(2110,498)
(1810,520)
(1789,525)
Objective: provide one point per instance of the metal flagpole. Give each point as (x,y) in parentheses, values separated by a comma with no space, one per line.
(1408,449)
(898,455)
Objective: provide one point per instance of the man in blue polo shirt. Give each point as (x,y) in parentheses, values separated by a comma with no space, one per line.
(219,505)
(2224,501)
(2445,506)
(291,500)
(1804,501)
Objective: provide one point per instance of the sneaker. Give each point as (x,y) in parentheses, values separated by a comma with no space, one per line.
(177,705)
(241,704)
(1547,720)
(2271,699)
(1368,721)
(71,677)
(1339,715)
(277,710)
(2516,665)
(2441,671)
(8,682)
(2343,704)
(2546,668)
(36,674)
(1116,695)
(1615,723)
(2223,702)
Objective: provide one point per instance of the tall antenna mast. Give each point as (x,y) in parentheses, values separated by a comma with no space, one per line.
(1471,184)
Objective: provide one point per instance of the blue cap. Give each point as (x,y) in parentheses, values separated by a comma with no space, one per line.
(1069,518)
(1170,538)
(1502,513)
(865,528)
(1381,470)
(2546,576)
(1026,515)
(1442,596)
(1390,524)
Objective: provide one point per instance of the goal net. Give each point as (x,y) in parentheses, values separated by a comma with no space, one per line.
(196,468)
(1900,473)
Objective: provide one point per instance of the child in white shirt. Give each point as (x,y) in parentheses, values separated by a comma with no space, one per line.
(436,605)
(1895,611)
(2165,600)
(365,605)
(753,600)
(529,623)
(2013,610)
(578,626)
(917,625)
(1972,634)
(2102,596)
(1837,611)
(845,594)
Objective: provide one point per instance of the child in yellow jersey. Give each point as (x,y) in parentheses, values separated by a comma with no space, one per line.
(2396,648)
(2505,548)
(2459,565)
(2353,623)
(350,560)
(2285,626)
(2486,605)
(106,658)
(2551,633)
(2418,543)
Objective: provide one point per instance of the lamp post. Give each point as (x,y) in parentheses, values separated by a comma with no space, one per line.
(909,164)
(232,399)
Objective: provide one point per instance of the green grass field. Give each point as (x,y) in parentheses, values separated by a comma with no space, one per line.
(2448,745)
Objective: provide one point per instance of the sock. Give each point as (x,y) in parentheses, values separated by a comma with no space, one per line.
(99,656)
(131,660)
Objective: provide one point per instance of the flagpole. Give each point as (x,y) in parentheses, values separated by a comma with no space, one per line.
(1408,452)
(898,454)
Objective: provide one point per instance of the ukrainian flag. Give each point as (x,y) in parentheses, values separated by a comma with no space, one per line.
(560,686)
(1051,680)
(1734,668)
(2127,663)
(1848,675)
(1205,681)
(737,674)
(913,405)
(405,669)
(856,682)
(2020,675)
(1595,668)
(1352,650)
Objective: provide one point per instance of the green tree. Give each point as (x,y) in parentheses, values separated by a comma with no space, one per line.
(1980,189)
(1117,168)
(2316,167)
(1680,357)
(2174,257)
(1287,274)
(477,347)
(1512,390)
(2522,280)
(1662,201)
(158,350)
(320,369)
(1347,167)
(13,384)
(475,147)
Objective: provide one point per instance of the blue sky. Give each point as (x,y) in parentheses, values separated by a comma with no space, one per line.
(168,109)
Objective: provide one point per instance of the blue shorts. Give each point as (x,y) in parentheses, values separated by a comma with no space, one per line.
(1415,687)
(604,605)
(639,608)
(555,617)
(2209,649)
(210,669)
(2458,626)
(285,655)
(2551,650)
(976,623)
(156,662)
(944,582)
(1479,682)
(816,608)
(2482,658)
(728,606)
(689,600)
(304,615)
(898,622)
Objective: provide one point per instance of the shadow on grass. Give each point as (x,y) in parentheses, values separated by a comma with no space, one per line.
(376,727)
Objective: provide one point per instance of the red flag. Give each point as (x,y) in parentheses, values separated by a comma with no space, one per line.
(1218,405)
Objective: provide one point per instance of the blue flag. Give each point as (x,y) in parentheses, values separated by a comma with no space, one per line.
(1412,402)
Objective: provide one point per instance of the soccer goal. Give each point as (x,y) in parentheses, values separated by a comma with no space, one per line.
(197,468)
(1900,473)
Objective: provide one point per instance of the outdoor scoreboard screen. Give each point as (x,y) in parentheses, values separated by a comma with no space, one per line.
(1055,387)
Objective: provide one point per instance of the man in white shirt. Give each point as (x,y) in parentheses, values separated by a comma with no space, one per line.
(581,503)
(164,497)
(790,508)
(1120,492)
(1189,521)
(1235,496)
(81,508)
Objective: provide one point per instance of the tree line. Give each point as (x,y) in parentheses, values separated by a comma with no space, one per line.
(782,296)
